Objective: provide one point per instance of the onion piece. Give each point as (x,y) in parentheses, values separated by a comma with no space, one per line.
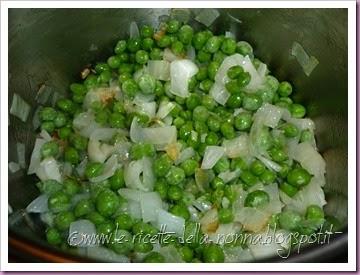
(38,205)
(219,93)
(185,154)
(36,118)
(147,108)
(229,175)
(171,254)
(66,170)
(165,107)
(237,254)
(134,30)
(106,255)
(270,164)
(309,159)
(211,156)
(203,178)
(191,54)
(157,136)
(229,34)
(229,61)
(150,205)
(20,150)
(257,80)
(20,108)
(170,223)
(307,63)
(133,172)
(49,170)
(130,194)
(182,15)
(80,168)
(45,135)
(101,94)
(269,115)
(134,209)
(209,222)
(237,147)
(14,167)
(36,156)
(85,124)
(169,56)
(159,69)
(82,233)
(109,169)
(207,16)
(225,233)
(251,218)
(181,71)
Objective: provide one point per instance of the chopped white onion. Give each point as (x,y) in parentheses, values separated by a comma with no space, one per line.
(36,118)
(66,169)
(130,194)
(98,151)
(191,54)
(307,63)
(170,223)
(237,254)
(219,93)
(251,218)
(207,16)
(171,254)
(134,30)
(209,222)
(134,209)
(85,124)
(229,34)
(262,70)
(182,15)
(272,165)
(225,233)
(157,136)
(229,175)
(101,94)
(109,169)
(185,154)
(147,108)
(181,71)
(203,178)
(269,115)
(237,147)
(211,156)
(38,205)
(14,167)
(106,255)
(150,205)
(257,80)
(159,69)
(82,233)
(20,108)
(139,175)
(80,169)
(165,107)
(309,159)
(49,170)
(229,61)
(45,135)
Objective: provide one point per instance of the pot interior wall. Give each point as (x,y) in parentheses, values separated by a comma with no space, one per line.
(49,47)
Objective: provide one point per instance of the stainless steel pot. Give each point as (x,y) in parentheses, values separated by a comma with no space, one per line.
(48,48)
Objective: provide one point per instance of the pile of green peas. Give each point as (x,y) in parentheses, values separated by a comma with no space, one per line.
(195,116)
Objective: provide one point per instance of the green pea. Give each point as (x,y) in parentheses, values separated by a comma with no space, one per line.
(133,44)
(130,87)
(278,155)
(186,253)
(83,207)
(66,105)
(80,143)
(193,101)
(288,189)
(104,77)
(143,228)
(162,165)
(147,44)
(217,183)
(162,188)
(107,202)
(141,57)
(251,102)
(202,73)
(117,180)
(71,155)
(227,130)
(297,110)
(49,149)
(175,175)
(256,199)
(232,87)
(105,228)
(156,54)
(117,120)
(177,47)
(248,178)
(213,69)
(173,26)
(59,202)
(235,100)
(154,257)
(95,218)
(219,57)
(64,132)
(289,220)
(290,130)
(203,56)
(48,126)
(126,68)
(53,236)
(284,89)
(244,48)
(228,46)
(71,187)
(146,31)
(90,81)
(142,246)
(120,46)
(200,113)
(212,138)
(213,44)
(234,72)
(213,253)
(124,221)
(164,41)
(189,166)
(243,79)
(199,40)
(102,117)
(49,186)
(175,193)
(94,169)
(185,34)
(274,221)
(222,165)
(180,210)
(63,220)
(257,168)
(114,62)
(214,124)
(298,177)
(243,121)
(225,215)
(47,114)
(147,84)
(268,177)
(121,242)
(60,120)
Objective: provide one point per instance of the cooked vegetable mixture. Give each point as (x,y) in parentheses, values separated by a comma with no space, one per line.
(178,142)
